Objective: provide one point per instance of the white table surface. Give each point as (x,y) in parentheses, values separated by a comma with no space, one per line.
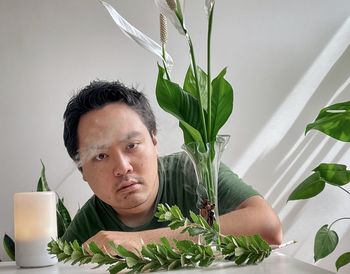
(277,263)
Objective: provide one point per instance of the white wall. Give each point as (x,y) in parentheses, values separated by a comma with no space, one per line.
(286,60)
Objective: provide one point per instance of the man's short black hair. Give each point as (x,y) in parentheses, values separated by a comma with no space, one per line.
(95,96)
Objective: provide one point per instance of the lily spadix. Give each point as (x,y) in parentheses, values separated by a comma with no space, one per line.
(139,37)
(173,11)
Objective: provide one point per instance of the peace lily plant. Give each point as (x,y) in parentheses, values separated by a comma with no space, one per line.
(202,105)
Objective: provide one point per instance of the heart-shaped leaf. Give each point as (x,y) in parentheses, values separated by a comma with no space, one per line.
(326,241)
(343,259)
(310,187)
(333,121)
(334,174)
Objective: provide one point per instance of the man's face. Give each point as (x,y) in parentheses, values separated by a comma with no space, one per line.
(119,158)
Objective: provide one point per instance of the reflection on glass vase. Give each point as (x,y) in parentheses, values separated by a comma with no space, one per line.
(206,163)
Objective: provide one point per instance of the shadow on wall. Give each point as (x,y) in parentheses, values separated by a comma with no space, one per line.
(294,155)
(282,155)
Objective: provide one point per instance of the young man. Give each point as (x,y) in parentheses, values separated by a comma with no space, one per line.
(110,132)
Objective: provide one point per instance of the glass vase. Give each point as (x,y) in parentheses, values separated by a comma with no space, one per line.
(206,162)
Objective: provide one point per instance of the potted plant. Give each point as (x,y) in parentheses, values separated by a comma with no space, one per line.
(333,121)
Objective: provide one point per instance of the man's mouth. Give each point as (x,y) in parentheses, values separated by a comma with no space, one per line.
(128,185)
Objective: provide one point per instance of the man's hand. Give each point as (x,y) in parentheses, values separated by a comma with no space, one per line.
(130,240)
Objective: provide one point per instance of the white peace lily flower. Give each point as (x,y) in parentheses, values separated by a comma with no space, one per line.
(169,8)
(136,35)
(209,6)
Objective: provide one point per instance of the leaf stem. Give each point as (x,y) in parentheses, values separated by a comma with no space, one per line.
(344,218)
(164,64)
(195,71)
(348,192)
(209,89)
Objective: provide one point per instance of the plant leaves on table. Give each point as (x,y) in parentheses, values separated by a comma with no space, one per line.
(326,241)
(343,259)
(310,187)
(334,121)
(163,255)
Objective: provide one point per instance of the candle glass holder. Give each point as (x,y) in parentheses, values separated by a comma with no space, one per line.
(35,225)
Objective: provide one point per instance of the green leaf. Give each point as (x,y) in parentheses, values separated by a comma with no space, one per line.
(76,255)
(98,258)
(147,252)
(194,217)
(122,251)
(184,245)
(94,248)
(221,103)
(176,212)
(152,266)
(131,262)
(174,265)
(67,249)
(42,183)
(326,241)
(344,259)
(64,213)
(117,267)
(9,246)
(310,187)
(334,121)
(61,228)
(190,85)
(334,174)
(191,135)
(173,99)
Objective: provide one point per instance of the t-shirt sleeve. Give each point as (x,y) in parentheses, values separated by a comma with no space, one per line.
(232,191)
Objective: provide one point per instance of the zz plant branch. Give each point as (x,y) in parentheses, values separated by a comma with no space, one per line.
(164,255)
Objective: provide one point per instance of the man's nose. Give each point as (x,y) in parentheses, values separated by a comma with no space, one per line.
(122,165)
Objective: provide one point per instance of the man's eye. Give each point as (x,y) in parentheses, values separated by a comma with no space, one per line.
(101,156)
(132,146)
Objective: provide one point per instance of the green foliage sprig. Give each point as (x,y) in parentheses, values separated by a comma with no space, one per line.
(333,121)
(164,255)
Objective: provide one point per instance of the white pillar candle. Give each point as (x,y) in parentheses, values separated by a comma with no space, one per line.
(35,226)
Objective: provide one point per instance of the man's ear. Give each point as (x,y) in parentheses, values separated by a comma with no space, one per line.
(154,139)
(80,168)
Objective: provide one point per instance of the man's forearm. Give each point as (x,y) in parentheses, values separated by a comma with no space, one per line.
(254,216)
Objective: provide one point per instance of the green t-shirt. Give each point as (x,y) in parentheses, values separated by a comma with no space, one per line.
(177,185)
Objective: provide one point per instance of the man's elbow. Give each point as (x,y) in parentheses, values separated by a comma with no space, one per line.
(273,232)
